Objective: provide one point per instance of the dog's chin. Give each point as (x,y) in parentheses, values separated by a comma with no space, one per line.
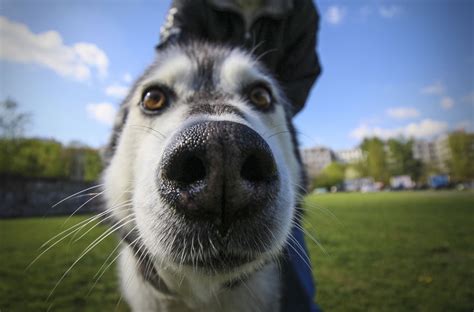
(222,263)
(202,245)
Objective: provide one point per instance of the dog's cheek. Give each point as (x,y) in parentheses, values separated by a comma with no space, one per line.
(273,128)
(286,141)
(118,176)
(148,208)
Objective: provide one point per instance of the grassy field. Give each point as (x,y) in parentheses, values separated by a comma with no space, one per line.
(393,251)
(384,252)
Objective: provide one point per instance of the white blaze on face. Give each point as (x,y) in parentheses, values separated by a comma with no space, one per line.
(175,69)
(236,69)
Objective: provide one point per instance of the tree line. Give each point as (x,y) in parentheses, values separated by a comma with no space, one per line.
(394,157)
(33,157)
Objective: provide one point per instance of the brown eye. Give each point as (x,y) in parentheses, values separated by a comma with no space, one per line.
(154,99)
(260,97)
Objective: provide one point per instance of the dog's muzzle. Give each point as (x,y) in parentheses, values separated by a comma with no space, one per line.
(219,172)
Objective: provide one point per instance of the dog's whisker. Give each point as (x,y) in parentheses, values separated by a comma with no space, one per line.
(79,226)
(72,196)
(305,261)
(117,247)
(140,127)
(73,230)
(73,239)
(87,250)
(81,206)
(70,229)
(278,133)
(105,267)
(258,58)
(307,234)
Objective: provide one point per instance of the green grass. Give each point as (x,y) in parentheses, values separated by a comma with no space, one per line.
(385,252)
(28,290)
(393,251)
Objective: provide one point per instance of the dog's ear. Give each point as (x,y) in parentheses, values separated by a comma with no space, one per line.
(164,43)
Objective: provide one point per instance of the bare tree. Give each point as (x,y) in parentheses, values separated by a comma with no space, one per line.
(12,122)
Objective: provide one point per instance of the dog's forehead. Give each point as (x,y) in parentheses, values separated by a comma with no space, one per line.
(239,67)
(227,68)
(171,68)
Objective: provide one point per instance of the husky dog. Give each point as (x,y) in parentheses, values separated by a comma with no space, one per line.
(203,180)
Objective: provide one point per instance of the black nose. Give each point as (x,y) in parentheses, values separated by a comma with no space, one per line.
(219,171)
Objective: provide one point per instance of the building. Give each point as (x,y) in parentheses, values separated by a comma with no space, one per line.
(349,156)
(424,151)
(443,152)
(316,159)
(436,152)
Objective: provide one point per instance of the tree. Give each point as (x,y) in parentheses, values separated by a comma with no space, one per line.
(12,122)
(401,160)
(353,171)
(332,175)
(461,163)
(49,159)
(35,158)
(375,162)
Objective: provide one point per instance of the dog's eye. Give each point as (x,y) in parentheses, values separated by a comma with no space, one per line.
(260,97)
(154,99)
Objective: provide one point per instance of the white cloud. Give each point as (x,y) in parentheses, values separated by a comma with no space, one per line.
(447,102)
(335,14)
(127,78)
(117,91)
(423,129)
(403,112)
(92,56)
(389,11)
(21,45)
(436,88)
(102,112)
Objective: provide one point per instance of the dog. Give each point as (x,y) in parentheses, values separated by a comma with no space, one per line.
(203,180)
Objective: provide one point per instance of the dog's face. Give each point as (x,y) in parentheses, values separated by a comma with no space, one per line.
(207,160)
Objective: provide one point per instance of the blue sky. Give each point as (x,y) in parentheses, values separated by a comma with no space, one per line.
(390,68)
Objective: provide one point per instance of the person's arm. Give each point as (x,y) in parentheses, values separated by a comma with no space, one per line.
(301,67)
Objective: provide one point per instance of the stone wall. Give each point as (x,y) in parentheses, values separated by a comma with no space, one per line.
(28,197)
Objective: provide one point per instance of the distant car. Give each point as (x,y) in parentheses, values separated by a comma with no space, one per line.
(355,185)
(401,182)
(438,181)
(320,190)
(368,188)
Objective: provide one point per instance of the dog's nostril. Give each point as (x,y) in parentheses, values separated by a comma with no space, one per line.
(187,170)
(258,168)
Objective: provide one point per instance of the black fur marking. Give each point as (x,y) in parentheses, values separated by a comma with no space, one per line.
(207,59)
(204,79)
(211,104)
(209,109)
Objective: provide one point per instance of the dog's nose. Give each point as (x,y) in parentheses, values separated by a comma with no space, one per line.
(219,171)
